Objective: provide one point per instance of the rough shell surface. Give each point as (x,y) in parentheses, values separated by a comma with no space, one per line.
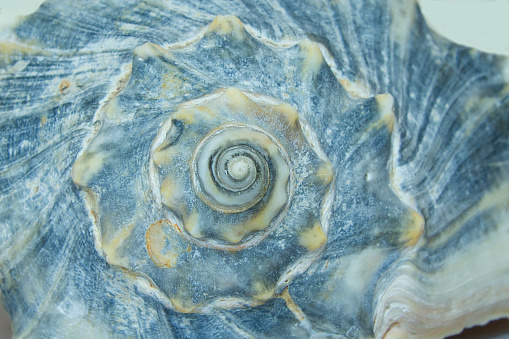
(240,169)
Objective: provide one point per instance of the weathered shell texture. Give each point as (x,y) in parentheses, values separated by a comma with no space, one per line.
(250,169)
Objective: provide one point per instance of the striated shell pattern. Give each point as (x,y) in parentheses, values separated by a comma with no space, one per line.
(239,169)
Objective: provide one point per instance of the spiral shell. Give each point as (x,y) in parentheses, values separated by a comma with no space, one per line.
(327,170)
(241,175)
(223,172)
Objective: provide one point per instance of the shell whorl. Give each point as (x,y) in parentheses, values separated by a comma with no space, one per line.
(416,204)
(218,183)
(241,175)
(234,167)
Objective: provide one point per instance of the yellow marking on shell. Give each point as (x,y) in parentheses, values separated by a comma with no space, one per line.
(313,238)
(236,233)
(313,58)
(356,88)
(262,292)
(156,239)
(163,155)
(325,173)
(182,305)
(87,166)
(44,120)
(237,101)
(385,104)
(289,112)
(386,110)
(190,115)
(173,83)
(292,306)
(413,228)
(111,109)
(110,248)
(171,192)
(185,115)
(192,226)
(144,51)
(149,50)
(227,25)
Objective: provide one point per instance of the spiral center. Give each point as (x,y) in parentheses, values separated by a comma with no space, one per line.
(235,167)
(239,167)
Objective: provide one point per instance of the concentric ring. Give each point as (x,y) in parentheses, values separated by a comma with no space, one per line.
(235,166)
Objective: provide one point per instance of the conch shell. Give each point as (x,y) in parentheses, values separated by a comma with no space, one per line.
(333,169)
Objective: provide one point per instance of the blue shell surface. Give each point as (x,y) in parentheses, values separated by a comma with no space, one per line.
(415,127)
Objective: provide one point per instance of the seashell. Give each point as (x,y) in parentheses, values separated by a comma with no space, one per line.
(328,170)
